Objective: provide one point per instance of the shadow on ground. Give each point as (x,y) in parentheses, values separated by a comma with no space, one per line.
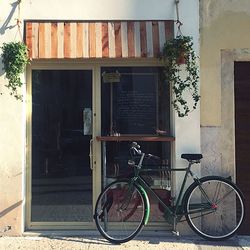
(155,240)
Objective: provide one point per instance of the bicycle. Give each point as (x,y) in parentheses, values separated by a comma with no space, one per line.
(213,206)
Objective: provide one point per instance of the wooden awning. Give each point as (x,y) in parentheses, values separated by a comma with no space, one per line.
(116,39)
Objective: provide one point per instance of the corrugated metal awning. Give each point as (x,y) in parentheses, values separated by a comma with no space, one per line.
(106,39)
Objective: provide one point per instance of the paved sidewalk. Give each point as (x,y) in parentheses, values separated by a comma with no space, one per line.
(140,243)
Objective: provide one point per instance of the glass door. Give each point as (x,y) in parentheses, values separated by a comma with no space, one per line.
(136,102)
(61,175)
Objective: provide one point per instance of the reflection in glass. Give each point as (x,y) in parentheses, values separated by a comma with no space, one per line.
(136,104)
(61,176)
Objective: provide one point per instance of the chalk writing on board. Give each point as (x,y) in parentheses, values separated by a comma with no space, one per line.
(135,111)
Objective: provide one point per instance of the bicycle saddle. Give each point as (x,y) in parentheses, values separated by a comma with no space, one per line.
(191,157)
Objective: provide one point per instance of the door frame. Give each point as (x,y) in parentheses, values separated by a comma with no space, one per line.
(88,64)
(227,129)
(96,147)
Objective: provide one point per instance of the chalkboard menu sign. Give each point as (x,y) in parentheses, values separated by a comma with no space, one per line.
(135,104)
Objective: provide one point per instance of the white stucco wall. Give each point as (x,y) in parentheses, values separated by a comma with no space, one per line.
(100,10)
(13,113)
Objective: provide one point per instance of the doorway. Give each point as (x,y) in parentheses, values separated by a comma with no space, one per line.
(61,175)
(242,134)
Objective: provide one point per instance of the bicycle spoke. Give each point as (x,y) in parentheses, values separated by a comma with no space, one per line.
(118,214)
(220,218)
(199,207)
(217,192)
(203,214)
(218,202)
(204,194)
(127,200)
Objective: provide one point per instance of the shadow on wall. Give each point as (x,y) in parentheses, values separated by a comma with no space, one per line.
(6,25)
(5,228)
(9,209)
(1,74)
(1,66)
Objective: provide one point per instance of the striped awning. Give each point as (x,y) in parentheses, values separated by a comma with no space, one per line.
(116,39)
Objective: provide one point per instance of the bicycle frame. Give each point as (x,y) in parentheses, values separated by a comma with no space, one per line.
(174,211)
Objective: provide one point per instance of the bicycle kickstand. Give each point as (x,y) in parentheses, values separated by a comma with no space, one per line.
(174,231)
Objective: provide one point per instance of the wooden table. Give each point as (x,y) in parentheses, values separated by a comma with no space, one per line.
(135,138)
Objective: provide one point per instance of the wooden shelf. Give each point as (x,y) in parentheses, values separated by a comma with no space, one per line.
(135,138)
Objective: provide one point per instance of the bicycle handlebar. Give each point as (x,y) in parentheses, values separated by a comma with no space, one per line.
(153,156)
(135,151)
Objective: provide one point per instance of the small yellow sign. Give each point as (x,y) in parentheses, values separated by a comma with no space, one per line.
(111,77)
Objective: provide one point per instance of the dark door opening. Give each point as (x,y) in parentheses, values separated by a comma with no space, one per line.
(242,134)
(61,133)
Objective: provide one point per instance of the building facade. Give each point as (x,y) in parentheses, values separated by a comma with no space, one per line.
(224,63)
(45,137)
(52,159)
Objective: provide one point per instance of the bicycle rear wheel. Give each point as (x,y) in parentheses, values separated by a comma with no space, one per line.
(214,208)
(120,211)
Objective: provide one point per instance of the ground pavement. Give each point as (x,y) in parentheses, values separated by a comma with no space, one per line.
(57,242)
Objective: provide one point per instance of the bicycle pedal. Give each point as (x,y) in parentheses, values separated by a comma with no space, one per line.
(176,233)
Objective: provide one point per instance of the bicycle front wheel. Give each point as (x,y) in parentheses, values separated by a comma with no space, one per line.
(120,211)
(214,208)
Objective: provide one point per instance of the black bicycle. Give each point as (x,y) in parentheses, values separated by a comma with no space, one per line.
(213,206)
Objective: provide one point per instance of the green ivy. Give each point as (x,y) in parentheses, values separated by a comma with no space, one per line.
(181,46)
(15,58)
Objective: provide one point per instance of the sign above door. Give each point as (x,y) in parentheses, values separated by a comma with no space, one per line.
(102,39)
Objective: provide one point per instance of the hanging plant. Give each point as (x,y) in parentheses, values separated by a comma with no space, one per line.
(15,58)
(176,52)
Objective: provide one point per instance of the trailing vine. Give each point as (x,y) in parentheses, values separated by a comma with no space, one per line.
(186,83)
(15,58)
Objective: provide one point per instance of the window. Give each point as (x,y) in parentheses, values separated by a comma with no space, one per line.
(134,101)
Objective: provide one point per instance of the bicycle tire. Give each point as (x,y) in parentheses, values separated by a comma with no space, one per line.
(219,219)
(121,211)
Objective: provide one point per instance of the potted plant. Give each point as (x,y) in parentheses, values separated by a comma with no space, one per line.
(15,58)
(178,54)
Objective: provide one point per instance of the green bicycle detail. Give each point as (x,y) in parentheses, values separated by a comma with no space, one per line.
(213,206)
(147,206)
